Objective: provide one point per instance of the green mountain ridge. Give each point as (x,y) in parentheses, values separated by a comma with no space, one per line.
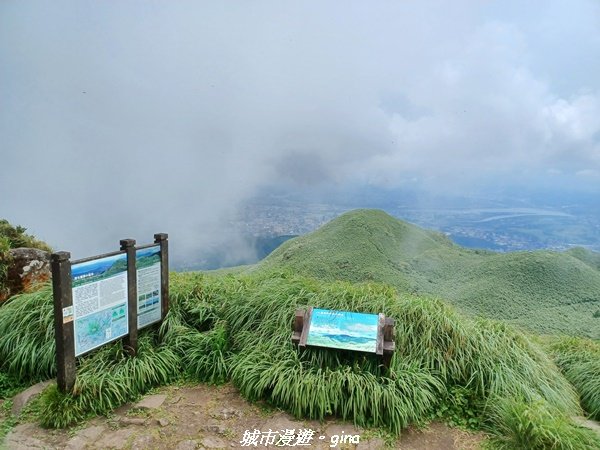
(542,291)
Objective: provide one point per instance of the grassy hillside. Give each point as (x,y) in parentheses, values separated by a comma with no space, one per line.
(546,292)
(579,360)
(587,256)
(238,328)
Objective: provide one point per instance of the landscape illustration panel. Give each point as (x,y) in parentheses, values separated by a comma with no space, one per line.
(344,330)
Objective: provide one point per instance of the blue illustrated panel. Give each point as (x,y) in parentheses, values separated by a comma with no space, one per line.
(343,330)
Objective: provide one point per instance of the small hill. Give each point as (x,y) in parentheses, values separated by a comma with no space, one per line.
(543,291)
(587,256)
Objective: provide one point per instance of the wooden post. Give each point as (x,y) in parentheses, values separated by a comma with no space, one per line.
(305,328)
(130,342)
(389,344)
(380,324)
(297,326)
(163,240)
(62,289)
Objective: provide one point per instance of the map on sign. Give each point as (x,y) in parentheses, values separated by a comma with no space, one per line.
(148,286)
(99,302)
(343,330)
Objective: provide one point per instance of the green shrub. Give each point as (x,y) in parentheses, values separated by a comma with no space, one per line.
(109,378)
(27,348)
(460,407)
(519,424)
(239,327)
(4,262)
(14,237)
(436,348)
(9,385)
(579,360)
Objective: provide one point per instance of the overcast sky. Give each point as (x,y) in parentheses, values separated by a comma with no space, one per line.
(121,119)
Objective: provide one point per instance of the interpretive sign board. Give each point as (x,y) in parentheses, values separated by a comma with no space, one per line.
(106,297)
(99,302)
(148,286)
(343,330)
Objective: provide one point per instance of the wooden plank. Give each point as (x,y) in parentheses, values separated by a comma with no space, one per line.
(388,329)
(306,328)
(130,342)
(163,240)
(62,288)
(389,345)
(381,323)
(297,326)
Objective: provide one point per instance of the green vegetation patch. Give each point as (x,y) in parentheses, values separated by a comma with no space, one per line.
(14,237)
(579,360)
(27,348)
(109,378)
(544,292)
(437,349)
(525,425)
(238,328)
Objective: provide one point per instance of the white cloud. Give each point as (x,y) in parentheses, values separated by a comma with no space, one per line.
(188,108)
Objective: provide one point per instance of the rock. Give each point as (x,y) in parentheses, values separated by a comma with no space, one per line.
(28,267)
(20,400)
(20,438)
(187,445)
(132,421)
(282,421)
(115,439)
(371,444)
(163,422)
(84,438)
(143,442)
(176,400)
(151,402)
(213,442)
(587,423)
(215,428)
(228,413)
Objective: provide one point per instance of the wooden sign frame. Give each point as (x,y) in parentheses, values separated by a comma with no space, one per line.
(62,286)
(385,346)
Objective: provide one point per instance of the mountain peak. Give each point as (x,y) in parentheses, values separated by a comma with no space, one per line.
(544,291)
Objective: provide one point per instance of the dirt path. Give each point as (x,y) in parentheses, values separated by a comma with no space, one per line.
(195,417)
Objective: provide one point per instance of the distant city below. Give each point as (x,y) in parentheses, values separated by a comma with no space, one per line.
(499,229)
(500,224)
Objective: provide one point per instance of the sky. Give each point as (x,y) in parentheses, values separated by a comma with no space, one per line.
(122,119)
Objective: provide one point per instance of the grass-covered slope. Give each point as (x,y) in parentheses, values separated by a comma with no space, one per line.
(546,292)
(587,256)
(579,360)
(239,329)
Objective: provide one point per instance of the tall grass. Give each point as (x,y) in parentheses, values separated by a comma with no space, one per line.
(107,379)
(579,360)
(524,425)
(27,348)
(436,349)
(238,328)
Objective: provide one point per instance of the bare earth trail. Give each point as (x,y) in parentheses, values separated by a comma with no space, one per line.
(201,416)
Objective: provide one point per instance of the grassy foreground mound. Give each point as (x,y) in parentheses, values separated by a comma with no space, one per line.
(520,425)
(239,328)
(543,291)
(579,360)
